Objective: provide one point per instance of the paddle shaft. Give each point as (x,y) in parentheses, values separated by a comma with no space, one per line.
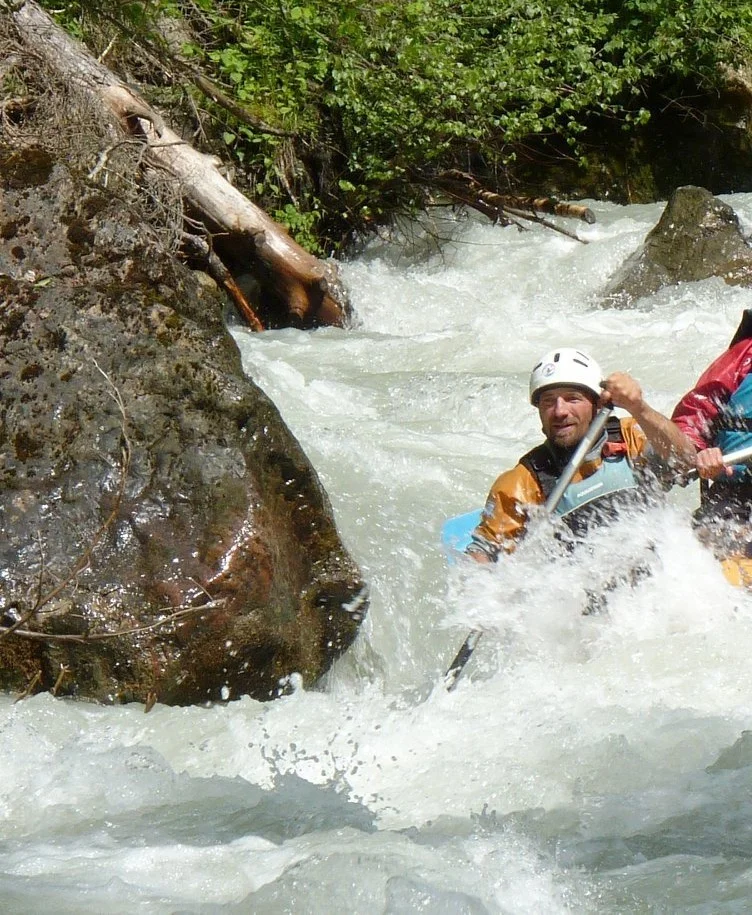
(592,435)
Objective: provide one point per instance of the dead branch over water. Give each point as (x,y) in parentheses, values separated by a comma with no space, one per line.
(509,209)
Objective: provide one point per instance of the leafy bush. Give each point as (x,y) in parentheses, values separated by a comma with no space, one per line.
(377,95)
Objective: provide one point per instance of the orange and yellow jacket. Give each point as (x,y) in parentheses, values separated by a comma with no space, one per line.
(505,515)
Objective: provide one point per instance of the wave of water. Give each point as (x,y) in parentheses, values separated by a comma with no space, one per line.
(584,763)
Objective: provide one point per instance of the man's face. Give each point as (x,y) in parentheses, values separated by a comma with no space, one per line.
(566,414)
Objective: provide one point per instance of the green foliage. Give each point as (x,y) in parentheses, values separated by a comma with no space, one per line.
(302,225)
(377,92)
(82,18)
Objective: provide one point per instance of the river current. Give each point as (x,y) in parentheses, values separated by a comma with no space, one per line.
(584,764)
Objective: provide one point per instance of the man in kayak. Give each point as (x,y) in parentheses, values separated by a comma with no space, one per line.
(716,416)
(567,387)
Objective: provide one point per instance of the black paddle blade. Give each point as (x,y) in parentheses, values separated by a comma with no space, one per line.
(452,676)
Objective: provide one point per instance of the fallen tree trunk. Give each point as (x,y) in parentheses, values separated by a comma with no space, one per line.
(308,289)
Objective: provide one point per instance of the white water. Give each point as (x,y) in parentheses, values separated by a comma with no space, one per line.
(583,764)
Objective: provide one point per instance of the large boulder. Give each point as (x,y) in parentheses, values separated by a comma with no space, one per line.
(698,236)
(164,536)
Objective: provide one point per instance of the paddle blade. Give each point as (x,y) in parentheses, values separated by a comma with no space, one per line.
(452,676)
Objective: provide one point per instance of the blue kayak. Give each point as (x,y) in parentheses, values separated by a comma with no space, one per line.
(456,531)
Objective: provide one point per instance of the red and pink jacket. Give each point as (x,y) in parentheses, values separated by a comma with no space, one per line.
(697,412)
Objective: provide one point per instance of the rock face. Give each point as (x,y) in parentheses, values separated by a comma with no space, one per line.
(698,236)
(162,534)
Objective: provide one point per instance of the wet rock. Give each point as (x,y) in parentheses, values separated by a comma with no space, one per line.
(163,534)
(697,237)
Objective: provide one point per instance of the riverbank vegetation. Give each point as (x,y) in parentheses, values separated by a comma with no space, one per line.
(335,115)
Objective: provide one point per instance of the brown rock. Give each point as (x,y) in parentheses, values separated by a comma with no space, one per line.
(163,533)
(697,237)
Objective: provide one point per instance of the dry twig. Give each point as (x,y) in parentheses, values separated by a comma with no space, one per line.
(64,671)
(178,614)
(30,687)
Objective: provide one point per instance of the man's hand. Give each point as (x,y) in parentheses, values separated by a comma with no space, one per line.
(670,443)
(709,464)
(621,390)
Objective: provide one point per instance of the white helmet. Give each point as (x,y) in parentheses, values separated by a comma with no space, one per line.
(565,367)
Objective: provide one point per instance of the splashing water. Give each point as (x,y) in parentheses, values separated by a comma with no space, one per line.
(585,763)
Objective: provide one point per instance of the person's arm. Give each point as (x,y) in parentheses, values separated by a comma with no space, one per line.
(667,439)
(504,517)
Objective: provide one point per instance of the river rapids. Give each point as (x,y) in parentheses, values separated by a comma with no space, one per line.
(584,764)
